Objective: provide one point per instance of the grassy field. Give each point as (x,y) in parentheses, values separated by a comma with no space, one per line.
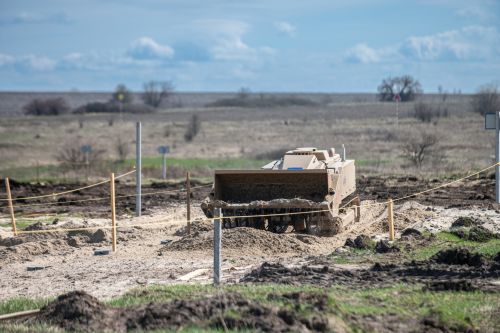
(453,309)
(249,137)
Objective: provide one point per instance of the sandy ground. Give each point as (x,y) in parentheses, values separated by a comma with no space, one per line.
(142,260)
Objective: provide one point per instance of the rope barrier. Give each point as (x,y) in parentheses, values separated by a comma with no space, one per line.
(263,215)
(69,191)
(106,198)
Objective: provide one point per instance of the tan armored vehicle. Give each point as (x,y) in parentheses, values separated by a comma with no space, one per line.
(304,180)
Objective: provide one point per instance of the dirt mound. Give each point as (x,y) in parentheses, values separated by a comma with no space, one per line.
(78,311)
(409,213)
(241,238)
(458,256)
(383,246)
(362,242)
(451,285)
(476,233)
(197,227)
(323,273)
(26,251)
(467,221)
(411,233)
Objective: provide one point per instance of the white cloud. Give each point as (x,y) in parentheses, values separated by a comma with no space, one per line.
(224,39)
(469,43)
(146,48)
(285,28)
(27,62)
(472,43)
(474,12)
(35,18)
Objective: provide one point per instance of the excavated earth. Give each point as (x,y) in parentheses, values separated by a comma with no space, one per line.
(78,311)
(452,269)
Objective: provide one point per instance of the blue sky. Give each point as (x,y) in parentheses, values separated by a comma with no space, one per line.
(219,45)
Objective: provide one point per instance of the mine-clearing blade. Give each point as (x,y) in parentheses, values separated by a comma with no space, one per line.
(307,189)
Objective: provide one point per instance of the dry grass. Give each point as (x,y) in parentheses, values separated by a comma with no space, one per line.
(368,129)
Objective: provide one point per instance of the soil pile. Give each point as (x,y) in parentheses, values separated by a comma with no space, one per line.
(197,227)
(260,241)
(362,242)
(78,311)
(458,256)
(325,274)
(475,233)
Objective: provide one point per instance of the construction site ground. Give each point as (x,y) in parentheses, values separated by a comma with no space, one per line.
(155,250)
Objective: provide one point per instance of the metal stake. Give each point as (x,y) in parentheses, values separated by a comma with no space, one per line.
(188,202)
(497,157)
(217,245)
(138,166)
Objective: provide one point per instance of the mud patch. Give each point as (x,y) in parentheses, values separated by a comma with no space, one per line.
(458,285)
(322,272)
(259,241)
(78,311)
(458,256)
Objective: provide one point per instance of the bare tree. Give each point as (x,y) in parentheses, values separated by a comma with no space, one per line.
(193,128)
(72,157)
(486,99)
(155,92)
(122,149)
(406,86)
(244,93)
(417,149)
(122,95)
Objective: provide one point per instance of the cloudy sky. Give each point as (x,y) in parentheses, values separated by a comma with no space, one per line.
(222,45)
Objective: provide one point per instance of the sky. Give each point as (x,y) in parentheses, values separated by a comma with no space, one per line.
(266,46)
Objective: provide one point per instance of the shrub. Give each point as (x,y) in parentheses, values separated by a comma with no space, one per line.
(486,99)
(417,149)
(98,107)
(46,107)
(262,101)
(156,92)
(193,128)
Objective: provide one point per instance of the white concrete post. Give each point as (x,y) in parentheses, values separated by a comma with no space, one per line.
(138,171)
(217,245)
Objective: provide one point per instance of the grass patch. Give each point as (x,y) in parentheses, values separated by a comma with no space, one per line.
(446,239)
(457,309)
(21,304)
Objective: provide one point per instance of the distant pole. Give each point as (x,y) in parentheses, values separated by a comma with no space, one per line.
(497,157)
(188,202)
(164,167)
(217,245)
(11,207)
(138,166)
(113,211)
(390,218)
(37,171)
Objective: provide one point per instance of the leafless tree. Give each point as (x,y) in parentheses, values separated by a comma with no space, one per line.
(417,149)
(122,95)
(156,92)
(72,157)
(486,99)
(406,86)
(244,92)
(193,128)
(122,149)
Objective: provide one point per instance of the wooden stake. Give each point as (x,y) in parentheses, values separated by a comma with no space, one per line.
(113,211)
(188,202)
(390,218)
(11,208)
